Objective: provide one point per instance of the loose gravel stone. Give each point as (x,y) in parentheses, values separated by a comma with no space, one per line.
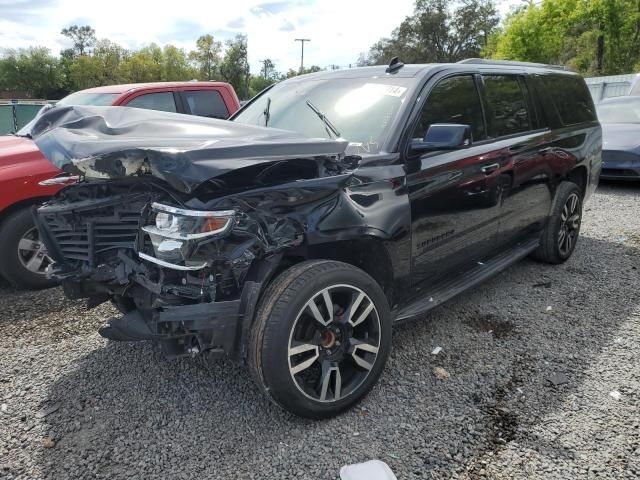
(120,410)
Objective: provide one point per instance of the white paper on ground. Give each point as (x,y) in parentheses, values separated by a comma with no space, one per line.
(371,470)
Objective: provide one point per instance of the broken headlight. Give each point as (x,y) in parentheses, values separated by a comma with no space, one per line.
(174,231)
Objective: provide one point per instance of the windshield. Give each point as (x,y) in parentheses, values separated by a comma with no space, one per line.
(97,99)
(619,112)
(360,109)
(78,98)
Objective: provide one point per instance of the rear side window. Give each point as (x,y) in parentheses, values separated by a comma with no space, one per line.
(206,103)
(507,106)
(163,101)
(571,99)
(453,100)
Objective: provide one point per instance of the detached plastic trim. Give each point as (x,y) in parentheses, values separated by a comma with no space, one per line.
(173,266)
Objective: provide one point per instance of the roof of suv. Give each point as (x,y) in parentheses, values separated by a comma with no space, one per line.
(127,87)
(414,70)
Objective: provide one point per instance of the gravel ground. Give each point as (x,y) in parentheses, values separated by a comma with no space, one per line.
(76,406)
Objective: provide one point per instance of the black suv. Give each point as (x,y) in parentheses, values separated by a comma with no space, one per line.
(332,206)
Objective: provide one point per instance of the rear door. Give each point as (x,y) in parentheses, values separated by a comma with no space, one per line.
(516,125)
(455,196)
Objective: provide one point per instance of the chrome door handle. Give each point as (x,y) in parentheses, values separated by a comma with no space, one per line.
(487,169)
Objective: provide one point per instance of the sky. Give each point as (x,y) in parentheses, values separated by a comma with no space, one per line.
(338,29)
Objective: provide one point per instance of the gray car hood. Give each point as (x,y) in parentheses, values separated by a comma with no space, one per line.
(621,136)
(184,150)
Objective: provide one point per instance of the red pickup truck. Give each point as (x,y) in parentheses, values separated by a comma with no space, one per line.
(23,168)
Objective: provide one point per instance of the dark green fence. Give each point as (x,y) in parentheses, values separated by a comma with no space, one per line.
(14,116)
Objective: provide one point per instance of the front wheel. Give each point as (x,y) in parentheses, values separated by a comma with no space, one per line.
(25,258)
(321,338)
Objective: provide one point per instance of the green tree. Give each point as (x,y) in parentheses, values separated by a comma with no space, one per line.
(33,70)
(439,31)
(235,65)
(294,73)
(109,55)
(594,37)
(145,65)
(84,72)
(176,65)
(206,57)
(82,37)
(269,75)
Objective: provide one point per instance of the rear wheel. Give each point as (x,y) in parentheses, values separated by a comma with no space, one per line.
(321,338)
(25,257)
(560,236)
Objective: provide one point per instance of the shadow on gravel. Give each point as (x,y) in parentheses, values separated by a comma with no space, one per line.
(125,411)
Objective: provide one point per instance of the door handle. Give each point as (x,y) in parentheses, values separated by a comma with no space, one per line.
(487,169)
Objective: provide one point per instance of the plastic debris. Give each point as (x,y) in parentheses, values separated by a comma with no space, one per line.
(549,308)
(558,379)
(615,394)
(48,410)
(436,350)
(441,373)
(371,470)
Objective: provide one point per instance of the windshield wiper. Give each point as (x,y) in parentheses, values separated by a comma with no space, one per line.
(327,123)
(266,113)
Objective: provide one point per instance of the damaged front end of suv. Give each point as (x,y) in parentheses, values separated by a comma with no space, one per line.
(180,220)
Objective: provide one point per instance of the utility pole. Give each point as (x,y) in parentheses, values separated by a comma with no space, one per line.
(302,40)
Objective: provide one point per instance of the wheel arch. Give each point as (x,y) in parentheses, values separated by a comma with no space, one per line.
(367,253)
(579,176)
(19,205)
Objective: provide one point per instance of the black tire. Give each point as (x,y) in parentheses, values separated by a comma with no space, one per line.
(283,313)
(16,227)
(560,230)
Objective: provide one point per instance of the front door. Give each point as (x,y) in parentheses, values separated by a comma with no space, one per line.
(455,196)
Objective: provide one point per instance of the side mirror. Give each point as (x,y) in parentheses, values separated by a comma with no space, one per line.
(444,136)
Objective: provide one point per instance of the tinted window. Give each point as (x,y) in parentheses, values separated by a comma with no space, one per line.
(571,98)
(155,101)
(507,106)
(453,100)
(206,103)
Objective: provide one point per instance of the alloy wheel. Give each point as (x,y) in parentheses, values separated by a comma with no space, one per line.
(32,253)
(334,343)
(570,224)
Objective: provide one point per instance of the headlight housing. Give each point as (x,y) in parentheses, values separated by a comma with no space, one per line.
(174,231)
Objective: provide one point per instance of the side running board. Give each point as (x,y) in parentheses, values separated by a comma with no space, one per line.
(456,284)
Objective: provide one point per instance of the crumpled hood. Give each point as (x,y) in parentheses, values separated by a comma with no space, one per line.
(184,150)
(621,136)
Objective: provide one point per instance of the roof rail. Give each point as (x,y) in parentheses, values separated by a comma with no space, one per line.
(512,63)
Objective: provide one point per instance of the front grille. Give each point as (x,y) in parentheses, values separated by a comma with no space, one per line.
(619,172)
(92,232)
(615,157)
(89,238)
